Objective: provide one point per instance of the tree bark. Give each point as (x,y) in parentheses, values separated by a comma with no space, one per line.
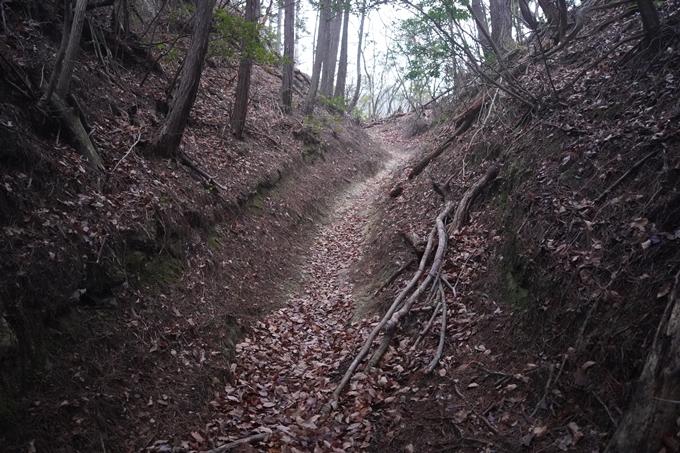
(72,49)
(342,64)
(170,134)
(238,117)
(482,25)
(650,18)
(357,88)
(550,11)
(562,8)
(527,15)
(654,409)
(279,25)
(79,135)
(321,50)
(330,62)
(60,54)
(289,55)
(501,24)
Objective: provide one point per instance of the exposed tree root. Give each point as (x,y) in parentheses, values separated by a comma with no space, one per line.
(393,277)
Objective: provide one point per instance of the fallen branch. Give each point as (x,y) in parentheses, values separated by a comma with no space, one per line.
(236,443)
(463,121)
(393,277)
(192,165)
(625,175)
(442,333)
(461,215)
(326,409)
(71,120)
(432,276)
(422,334)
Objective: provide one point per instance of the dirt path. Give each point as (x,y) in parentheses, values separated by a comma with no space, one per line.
(289,363)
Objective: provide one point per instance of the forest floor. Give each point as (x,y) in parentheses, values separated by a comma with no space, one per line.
(289,362)
(157,313)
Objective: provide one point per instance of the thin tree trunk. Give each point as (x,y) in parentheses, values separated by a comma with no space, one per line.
(321,48)
(650,18)
(357,88)
(562,8)
(289,56)
(330,62)
(170,134)
(342,64)
(72,49)
(238,117)
(482,26)
(279,25)
(527,15)
(550,11)
(654,409)
(60,54)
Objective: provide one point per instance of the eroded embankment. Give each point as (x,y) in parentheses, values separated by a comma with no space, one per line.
(289,362)
(139,360)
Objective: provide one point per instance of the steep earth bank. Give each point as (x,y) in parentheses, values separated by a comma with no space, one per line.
(565,267)
(124,291)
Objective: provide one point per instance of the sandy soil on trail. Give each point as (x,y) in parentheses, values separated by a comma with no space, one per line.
(290,362)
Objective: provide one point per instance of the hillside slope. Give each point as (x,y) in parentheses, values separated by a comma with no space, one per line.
(564,269)
(113,281)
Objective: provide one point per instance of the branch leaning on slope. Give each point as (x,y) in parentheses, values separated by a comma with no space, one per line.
(465,121)
(462,212)
(326,409)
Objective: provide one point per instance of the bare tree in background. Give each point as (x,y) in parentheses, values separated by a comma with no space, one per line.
(357,88)
(170,134)
(331,58)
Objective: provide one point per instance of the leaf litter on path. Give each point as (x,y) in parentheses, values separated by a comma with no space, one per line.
(289,363)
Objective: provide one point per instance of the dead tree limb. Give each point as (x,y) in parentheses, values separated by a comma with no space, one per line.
(463,122)
(462,212)
(425,330)
(236,443)
(192,165)
(326,409)
(432,276)
(442,333)
(71,119)
(625,175)
(393,277)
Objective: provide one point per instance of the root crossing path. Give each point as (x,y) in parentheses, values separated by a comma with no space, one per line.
(289,363)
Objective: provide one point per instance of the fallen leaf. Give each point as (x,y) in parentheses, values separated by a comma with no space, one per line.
(664,290)
(587,365)
(197,436)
